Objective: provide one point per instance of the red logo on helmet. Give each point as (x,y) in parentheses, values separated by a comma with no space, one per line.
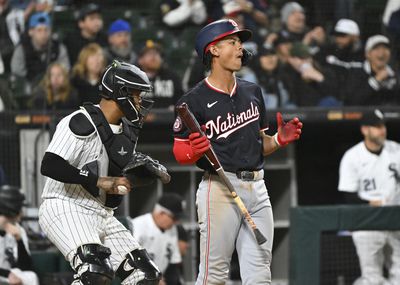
(233,22)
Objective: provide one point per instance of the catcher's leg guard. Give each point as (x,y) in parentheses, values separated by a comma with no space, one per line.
(138,267)
(92,265)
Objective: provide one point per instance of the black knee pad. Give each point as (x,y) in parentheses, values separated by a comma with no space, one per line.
(139,260)
(92,265)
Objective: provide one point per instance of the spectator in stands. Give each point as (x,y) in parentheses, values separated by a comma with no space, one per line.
(254,11)
(55,91)
(15,259)
(12,25)
(346,49)
(176,13)
(167,85)
(308,83)
(86,73)
(90,25)
(32,56)
(120,42)
(344,52)
(375,83)
(268,70)
(370,174)
(294,27)
(157,232)
(7,101)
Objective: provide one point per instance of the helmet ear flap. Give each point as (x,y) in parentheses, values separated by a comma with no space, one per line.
(247,55)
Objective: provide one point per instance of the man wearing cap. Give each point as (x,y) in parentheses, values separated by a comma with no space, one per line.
(31,57)
(167,84)
(370,173)
(119,42)
(90,25)
(375,83)
(157,232)
(346,49)
(15,260)
(294,21)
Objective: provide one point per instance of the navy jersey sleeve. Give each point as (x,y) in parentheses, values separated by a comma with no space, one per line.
(179,128)
(264,124)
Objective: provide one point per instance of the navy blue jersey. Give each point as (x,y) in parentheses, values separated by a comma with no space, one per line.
(233,123)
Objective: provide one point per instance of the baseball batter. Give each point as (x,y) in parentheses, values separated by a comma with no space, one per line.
(234,118)
(83,163)
(370,173)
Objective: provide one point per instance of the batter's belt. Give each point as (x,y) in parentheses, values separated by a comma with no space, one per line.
(245,175)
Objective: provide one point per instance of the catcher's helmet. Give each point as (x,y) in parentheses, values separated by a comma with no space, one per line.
(117,83)
(216,31)
(11,200)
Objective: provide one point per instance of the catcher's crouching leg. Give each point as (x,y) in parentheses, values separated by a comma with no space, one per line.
(92,265)
(138,269)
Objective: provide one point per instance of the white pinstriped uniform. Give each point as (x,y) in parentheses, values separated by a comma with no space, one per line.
(373,177)
(70,216)
(8,242)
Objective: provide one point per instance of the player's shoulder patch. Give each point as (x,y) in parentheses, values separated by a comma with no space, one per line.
(177,124)
(80,125)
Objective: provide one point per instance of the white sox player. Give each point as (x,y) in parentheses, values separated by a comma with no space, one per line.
(157,232)
(84,161)
(370,173)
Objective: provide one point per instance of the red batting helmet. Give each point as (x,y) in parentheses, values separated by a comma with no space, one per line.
(217,30)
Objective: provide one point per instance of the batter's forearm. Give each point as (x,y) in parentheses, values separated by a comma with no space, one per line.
(269,144)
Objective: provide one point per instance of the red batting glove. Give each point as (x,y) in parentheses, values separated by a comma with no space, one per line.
(287,132)
(199,143)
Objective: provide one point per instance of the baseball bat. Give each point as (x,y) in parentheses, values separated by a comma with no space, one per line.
(191,123)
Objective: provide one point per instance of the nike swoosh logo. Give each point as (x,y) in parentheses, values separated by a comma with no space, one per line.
(127,267)
(209,105)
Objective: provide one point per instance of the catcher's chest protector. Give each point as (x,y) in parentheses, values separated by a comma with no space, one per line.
(119,147)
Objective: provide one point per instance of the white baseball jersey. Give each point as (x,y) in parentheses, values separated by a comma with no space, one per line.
(162,246)
(9,243)
(372,176)
(78,151)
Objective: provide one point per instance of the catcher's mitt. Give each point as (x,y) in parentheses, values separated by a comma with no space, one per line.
(142,170)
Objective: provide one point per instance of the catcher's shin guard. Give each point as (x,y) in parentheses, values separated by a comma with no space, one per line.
(92,265)
(138,268)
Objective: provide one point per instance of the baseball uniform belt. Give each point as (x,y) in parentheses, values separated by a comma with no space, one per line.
(250,175)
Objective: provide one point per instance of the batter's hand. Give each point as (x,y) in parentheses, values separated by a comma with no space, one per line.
(287,132)
(14,279)
(199,143)
(110,184)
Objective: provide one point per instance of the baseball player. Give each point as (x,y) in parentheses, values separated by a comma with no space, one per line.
(157,232)
(83,163)
(233,115)
(370,173)
(15,259)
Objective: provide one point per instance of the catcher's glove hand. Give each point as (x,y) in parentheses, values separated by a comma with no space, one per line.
(142,170)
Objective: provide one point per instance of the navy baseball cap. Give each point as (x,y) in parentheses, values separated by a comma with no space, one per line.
(173,203)
(90,8)
(372,118)
(217,30)
(40,18)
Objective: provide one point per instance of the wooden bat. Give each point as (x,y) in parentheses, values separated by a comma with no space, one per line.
(191,123)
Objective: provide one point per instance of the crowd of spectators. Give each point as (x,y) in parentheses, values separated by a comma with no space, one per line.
(298,61)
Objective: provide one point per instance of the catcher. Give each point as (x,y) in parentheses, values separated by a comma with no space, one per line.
(91,163)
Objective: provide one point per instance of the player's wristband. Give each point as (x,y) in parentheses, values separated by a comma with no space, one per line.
(277,140)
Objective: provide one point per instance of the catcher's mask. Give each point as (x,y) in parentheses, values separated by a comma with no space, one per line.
(118,83)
